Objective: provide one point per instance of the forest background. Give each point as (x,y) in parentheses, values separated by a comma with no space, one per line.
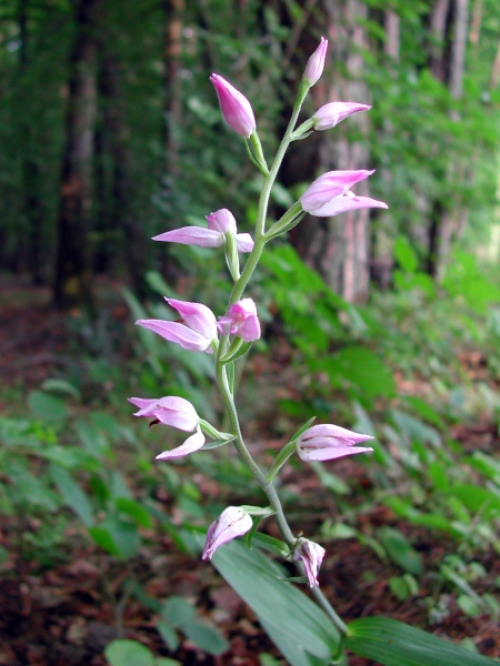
(388,321)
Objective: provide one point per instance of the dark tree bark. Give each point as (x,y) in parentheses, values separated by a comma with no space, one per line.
(32,209)
(173,105)
(449,23)
(72,280)
(121,208)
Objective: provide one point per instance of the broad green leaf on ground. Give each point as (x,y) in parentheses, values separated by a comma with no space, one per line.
(392,643)
(74,496)
(300,629)
(400,551)
(47,407)
(128,653)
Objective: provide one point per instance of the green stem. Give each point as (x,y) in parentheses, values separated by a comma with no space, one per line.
(221,369)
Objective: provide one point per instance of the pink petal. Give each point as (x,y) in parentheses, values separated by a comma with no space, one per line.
(330,115)
(198,317)
(222,221)
(192,444)
(331,453)
(316,63)
(244,242)
(330,430)
(330,185)
(233,522)
(178,333)
(192,236)
(235,107)
(345,203)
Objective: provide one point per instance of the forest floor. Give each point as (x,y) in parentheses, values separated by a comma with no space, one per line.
(64,613)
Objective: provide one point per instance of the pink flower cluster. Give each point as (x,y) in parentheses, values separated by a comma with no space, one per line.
(199,329)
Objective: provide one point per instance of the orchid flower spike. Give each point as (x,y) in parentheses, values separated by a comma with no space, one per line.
(176,412)
(235,107)
(241,319)
(197,333)
(233,522)
(316,63)
(333,113)
(328,442)
(220,223)
(329,194)
(311,555)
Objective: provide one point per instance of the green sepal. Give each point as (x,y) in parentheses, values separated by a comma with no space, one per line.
(287,451)
(216,443)
(258,510)
(208,429)
(232,256)
(237,349)
(289,220)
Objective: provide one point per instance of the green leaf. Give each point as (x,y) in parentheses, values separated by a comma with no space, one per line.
(118,537)
(168,634)
(61,386)
(209,639)
(300,629)
(405,254)
(358,368)
(74,497)
(47,407)
(136,511)
(477,499)
(177,611)
(128,653)
(399,550)
(393,643)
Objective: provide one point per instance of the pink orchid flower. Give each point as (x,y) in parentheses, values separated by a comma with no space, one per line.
(333,113)
(197,333)
(316,63)
(241,319)
(328,442)
(220,223)
(235,107)
(233,522)
(329,194)
(311,555)
(176,412)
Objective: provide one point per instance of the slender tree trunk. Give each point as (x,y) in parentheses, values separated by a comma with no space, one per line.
(495,70)
(439,17)
(345,260)
(173,106)
(30,168)
(121,210)
(72,280)
(458,48)
(392,33)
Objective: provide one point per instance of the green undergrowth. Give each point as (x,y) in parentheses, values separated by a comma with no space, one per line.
(418,367)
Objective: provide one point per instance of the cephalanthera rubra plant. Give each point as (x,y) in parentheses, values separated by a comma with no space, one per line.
(230,335)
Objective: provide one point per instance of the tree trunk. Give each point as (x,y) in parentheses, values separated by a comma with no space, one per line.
(121,209)
(72,281)
(32,212)
(344,256)
(173,105)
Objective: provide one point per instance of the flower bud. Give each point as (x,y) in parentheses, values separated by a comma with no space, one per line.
(235,107)
(328,442)
(333,113)
(316,63)
(241,320)
(233,522)
(311,555)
